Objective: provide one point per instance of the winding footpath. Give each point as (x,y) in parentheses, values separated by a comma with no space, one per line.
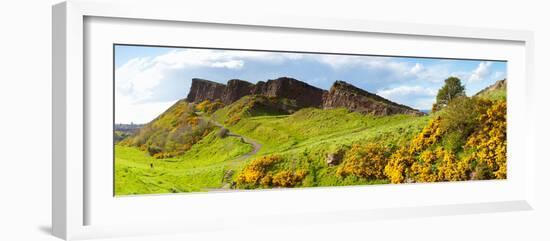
(256,145)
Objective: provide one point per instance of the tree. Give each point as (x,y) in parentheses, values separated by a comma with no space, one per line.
(452,89)
(460,115)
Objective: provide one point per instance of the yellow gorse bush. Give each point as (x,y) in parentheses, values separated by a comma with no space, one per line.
(258,173)
(399,168)
(208,106)
(256,170)
(489,142)
(366,161)
(425,160)
(439,165)
(429,136)
(288,178)
(399,165)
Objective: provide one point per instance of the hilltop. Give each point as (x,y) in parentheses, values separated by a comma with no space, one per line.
(340,95)
(494,91)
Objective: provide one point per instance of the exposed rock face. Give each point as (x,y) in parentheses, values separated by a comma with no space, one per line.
(499,85)
(342,94)
(335,158)
(202,89)
(305,95)
(235,90)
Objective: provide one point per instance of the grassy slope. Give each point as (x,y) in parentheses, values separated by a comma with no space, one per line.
(303,139)
(498,94)
(307,136)
(199,168)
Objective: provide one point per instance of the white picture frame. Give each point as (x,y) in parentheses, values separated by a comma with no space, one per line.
(71,109)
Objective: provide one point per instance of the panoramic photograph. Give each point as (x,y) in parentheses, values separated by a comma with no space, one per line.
(213,120)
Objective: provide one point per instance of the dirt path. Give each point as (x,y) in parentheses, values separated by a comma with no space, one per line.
(256,145)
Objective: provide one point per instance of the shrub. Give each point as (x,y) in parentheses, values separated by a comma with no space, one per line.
(425,170)
(399,164)
(257,169)
(208,106)
(451,168)
(153,150)
(366,161)
(460,116)
(475,126)
(424,160)
(439,165)
(288,178)
(266,181)
(489,142)
(430,135)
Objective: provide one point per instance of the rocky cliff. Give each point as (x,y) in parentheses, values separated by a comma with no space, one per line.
(342,94)
(202,89)
(498,85)
(235,90)
(305,95)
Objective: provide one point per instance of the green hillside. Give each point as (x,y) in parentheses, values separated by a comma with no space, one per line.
(266,142)
(497,91)
(302,139)
(200,168)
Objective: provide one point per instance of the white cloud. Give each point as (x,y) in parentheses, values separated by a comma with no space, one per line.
(482,71)
(137,79)
(375,63)
(398,70)
(128,111)
(231,64)
(416,68)
(417,91)
(139,76)
(414,96)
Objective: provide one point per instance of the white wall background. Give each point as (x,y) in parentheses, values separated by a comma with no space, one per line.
(25,119)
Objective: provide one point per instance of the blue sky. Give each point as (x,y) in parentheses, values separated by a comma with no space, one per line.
(150,79)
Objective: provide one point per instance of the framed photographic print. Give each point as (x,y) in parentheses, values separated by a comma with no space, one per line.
(295,119)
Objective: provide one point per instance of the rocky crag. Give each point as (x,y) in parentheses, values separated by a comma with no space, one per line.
(341,94)
(498,85)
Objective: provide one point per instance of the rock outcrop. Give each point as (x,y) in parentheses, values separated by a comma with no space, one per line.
(498,85)
(345,95)
(202,89)
(335,158)
(235,90)
(341,94)
(304,94)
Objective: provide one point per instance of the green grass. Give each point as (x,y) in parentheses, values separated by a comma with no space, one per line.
(499,94)
(315,128)
(200,168)
(303,140)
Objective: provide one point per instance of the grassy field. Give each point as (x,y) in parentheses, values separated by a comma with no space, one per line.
(268,142)
(200,168)
(303,139)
